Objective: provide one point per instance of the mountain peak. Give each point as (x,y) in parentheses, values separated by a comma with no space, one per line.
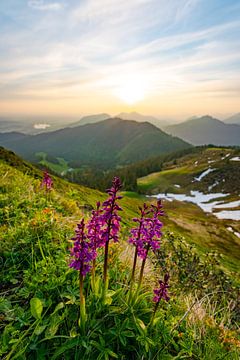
(234,119)
(207,130)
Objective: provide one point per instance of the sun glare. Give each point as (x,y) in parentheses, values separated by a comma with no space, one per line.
(131,91)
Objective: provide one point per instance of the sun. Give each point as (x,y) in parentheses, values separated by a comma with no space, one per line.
(131,91)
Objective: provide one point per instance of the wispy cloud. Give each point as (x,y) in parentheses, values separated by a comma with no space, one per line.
(44,5)
(169,48)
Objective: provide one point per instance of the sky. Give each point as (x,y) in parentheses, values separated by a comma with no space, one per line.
(168,58)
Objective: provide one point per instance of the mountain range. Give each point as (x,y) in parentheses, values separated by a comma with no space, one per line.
(37,124)
(109,142)
(195,130)
(92,119)
(142,118)
(206,130)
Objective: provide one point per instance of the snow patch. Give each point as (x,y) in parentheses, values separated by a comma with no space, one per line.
(213,185)
(205,202)
(234,232)
(202,175)
(229,205)
(196,197)
(227,214)
(224,157)
(236,158)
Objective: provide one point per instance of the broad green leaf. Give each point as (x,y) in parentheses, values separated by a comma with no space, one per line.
(58,307)
(36,308)
(108,300)
(111,353)
(39,329)
(141,326)
(128,333)
(51,330)
(54,325)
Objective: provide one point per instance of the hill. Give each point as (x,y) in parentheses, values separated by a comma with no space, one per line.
(186,171)
(200,192)
(206,130)
(107,143)
(47,313)
(234,119)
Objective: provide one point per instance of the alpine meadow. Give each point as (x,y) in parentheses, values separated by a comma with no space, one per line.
(119,180)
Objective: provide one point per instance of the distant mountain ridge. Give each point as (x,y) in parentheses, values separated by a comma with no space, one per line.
(142,118)
(90,119)
(110,142)
(234,119)
(206,130)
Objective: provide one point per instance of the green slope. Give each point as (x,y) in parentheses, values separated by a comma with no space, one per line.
(184,170)
(39,300)
(202,229)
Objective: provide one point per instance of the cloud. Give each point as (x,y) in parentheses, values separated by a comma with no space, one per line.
(45,6)
(185,8)
(102,45)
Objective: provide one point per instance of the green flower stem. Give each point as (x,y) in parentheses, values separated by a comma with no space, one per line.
(82,303)
(105,266)
(133,274)
(105,270)
(135,260)
(93,279)
(142,268)
(154,313)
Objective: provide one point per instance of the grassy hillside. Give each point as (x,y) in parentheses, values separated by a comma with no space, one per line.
(39,300)
(202,229)
(185,169)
